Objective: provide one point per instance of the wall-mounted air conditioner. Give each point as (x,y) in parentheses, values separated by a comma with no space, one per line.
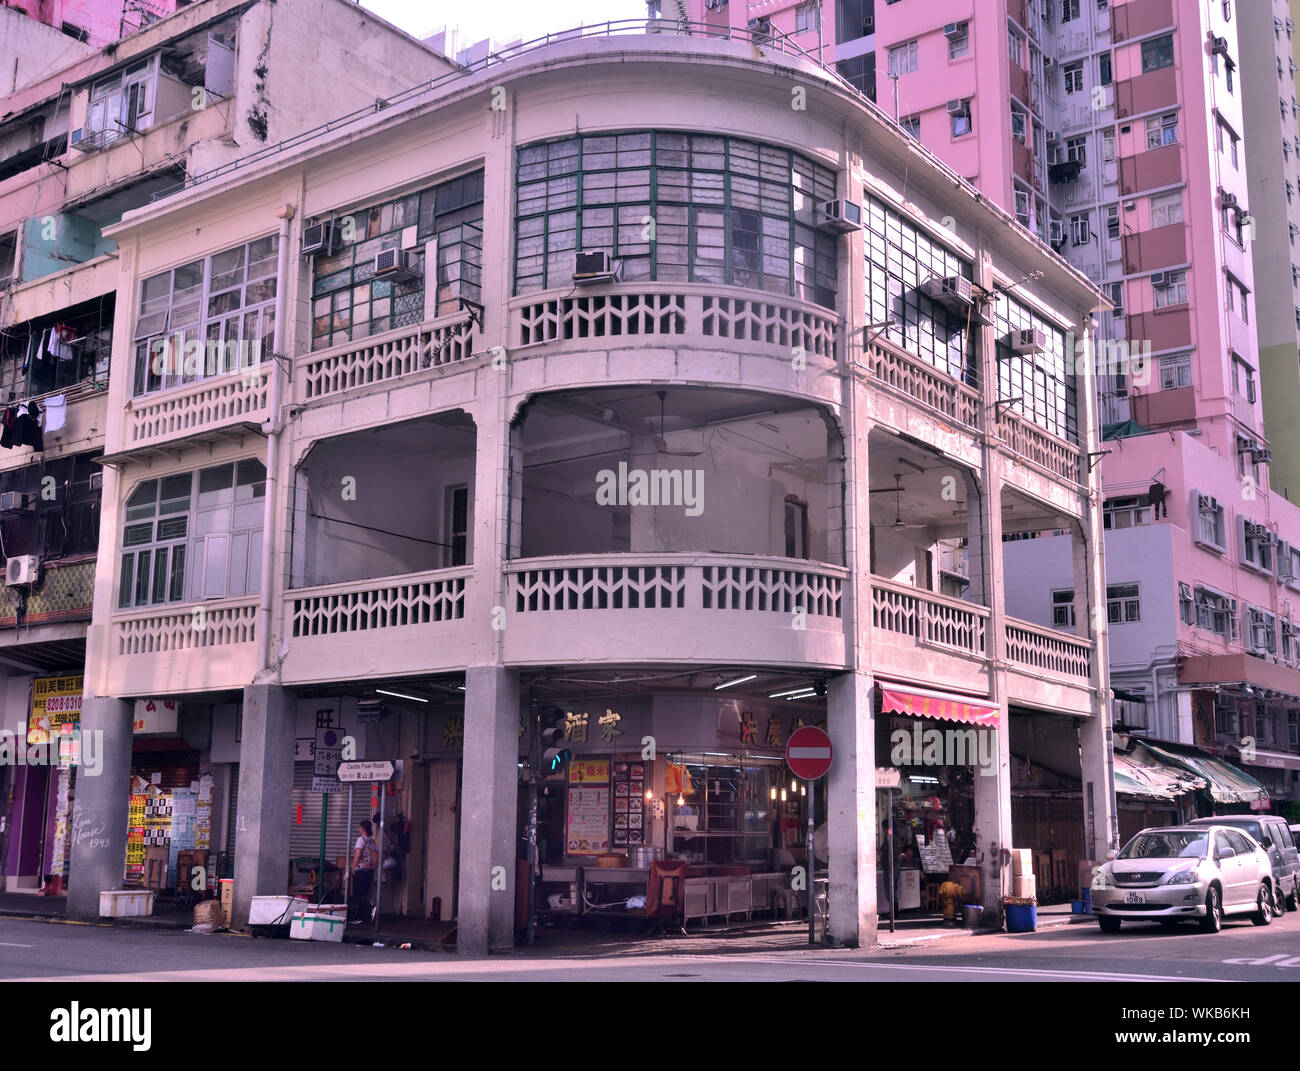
(16,502)
(951,291)
(321,239)
(957,107)
(840,216)
(22,569)
(399,265)
(594,266)
(1159,278)
(1028,340)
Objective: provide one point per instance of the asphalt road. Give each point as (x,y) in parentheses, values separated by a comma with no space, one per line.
(43,951)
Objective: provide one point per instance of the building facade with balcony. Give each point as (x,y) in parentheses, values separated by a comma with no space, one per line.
(585,398)
(79,147)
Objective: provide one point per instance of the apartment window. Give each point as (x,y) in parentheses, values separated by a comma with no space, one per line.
(64,525)
(911,125)
(1108,144)
(1128,512)
(457,537)
(1157,53)
(899,257)
(1262,636)
(1079,230)
(1255,545)
(206,318)
(796,527)
(1112,221)
(902,58)
(1243,379)
(193,536)
(1162,130)
(1044,382)
(1015,47)
(1063,608)
(1019,125)
(1073,77)
(726,211)
(1216,613)
(1210,524)
(1069,10)
(1238,299)
(1225,715)
(1290,191)
(1116,291)
(1297,318)
(1295,274)
(1122,604)
(805,18)
(1226,140)
(959,41)
(1076,150)
(1176,371)
(1104,75)
(1166,208)
(1186,607)
(123,102)
(1173,291)
(961,118)
(1228,68)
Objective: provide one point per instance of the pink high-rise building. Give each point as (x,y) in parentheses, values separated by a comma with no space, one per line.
(1120,133)
(96,22)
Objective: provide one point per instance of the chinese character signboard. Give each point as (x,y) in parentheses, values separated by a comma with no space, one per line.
(56,702)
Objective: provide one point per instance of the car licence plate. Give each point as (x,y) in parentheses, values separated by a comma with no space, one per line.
(1135,898)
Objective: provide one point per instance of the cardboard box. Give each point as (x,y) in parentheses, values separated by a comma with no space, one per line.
(1024,887)
(227,895)
(1022,861)
(208,912)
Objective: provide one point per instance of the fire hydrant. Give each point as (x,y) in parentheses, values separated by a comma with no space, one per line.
(950,895)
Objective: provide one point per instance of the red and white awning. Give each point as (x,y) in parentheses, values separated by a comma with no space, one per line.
(926,703)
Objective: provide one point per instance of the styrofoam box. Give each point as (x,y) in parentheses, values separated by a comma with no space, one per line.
(125,903)
(310,927)
(338,911)
(275,910)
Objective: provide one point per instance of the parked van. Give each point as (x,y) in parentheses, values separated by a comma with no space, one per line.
(1274,835)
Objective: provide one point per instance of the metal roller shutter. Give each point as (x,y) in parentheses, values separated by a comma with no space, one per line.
(304,837)
(232,813)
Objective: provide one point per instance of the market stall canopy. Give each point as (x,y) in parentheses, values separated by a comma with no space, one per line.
(925,703)
(1140,773)
(1227,784)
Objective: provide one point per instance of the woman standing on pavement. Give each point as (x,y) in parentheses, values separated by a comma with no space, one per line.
(365,857)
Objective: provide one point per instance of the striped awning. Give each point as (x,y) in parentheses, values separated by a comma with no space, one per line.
(926,703)
(1226,783)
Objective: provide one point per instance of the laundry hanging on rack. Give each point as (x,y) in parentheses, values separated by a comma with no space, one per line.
(56,413)
(20,425)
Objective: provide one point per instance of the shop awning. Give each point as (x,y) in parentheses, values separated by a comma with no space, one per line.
(1139,773)
(1226,783)
(925,703)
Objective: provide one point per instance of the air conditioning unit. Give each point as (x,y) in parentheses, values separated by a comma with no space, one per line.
(957,107)
(1218,45)
(760,27)
(715,5)
(369,711)
(1256,531)
(840,216)
(952,291)
(1207,503)
(868,25)
(1159,278)
(1285,568)
(954,29)
(594,266)
(1228,200)
(1261,456)
(96,481)
(400,265)
(321,239)
(16,502)
(84,140)
(1028,340)
(22,569)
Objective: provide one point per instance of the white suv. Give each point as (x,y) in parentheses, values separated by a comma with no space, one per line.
(1173,873)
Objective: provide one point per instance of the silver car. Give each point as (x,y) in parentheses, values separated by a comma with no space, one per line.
(1173,873)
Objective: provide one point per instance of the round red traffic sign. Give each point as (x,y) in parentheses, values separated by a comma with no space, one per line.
(808,752)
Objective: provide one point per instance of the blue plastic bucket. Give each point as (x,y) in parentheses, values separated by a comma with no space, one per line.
(1022,918)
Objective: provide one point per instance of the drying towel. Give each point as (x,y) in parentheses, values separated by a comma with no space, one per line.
(56,413)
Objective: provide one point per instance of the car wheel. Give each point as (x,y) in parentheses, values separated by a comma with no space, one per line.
(1293,901)
(1213,921)
(1279,902)
(1108,925)
(1263,907)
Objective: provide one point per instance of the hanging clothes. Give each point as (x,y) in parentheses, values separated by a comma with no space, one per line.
(58,345)
(56,413)
(27,427)
(7,422)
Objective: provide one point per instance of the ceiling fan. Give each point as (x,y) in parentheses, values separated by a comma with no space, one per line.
(661,444)
(899,524)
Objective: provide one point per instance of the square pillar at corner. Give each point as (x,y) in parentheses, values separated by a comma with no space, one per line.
(485,912)
(993,821)
(265,796)
(100,813)
(851,802)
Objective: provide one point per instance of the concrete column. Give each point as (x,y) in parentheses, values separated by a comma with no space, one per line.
(98,838)
(851,800)
(265,796)
(993,820)
(485,916)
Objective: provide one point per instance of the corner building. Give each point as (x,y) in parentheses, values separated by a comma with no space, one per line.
(417,519)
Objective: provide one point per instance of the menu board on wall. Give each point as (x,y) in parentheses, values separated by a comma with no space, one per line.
(587,828)
(629,804)
(583,771)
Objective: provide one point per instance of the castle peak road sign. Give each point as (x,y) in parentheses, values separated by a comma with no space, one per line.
(365,771)
(808,753)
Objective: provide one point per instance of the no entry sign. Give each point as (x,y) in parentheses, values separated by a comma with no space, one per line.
(808,753)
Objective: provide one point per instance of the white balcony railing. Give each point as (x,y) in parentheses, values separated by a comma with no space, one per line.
(385,357)
(206,406)
(219,623)
(1040,447)
(676,582)
(907,374)
(384,603)
(1048,651)
(932,620)
(659,309)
